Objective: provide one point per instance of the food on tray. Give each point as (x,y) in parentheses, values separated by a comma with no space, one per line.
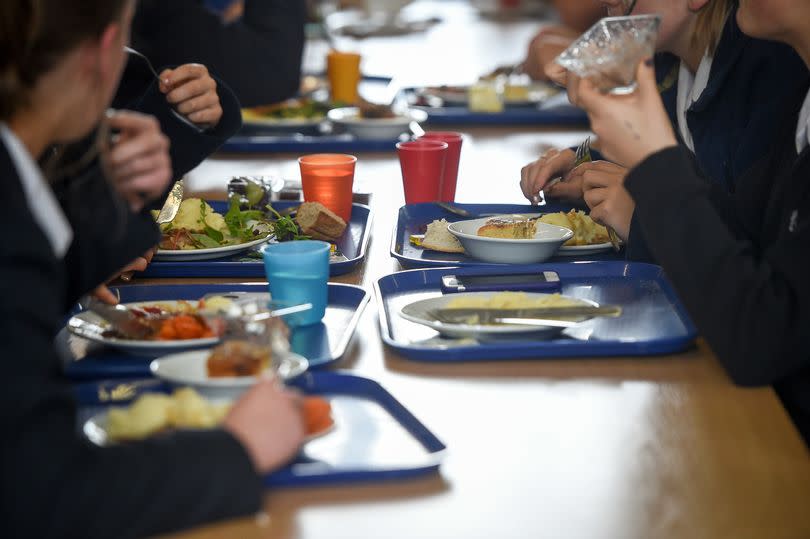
(152,413)
(510,300)
(438,238)
(238,358)
(372,111)
(317,415)
(515,92)
(198,226)
(512,228)
(180,320)
(318,222)
(182,327)
(292,109)
(586,231)
(483,97)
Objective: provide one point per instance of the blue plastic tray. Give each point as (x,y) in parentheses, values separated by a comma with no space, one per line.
(258,142)
(322,344)
(375,437)
(414,218)
(258,139)
(653,320)
(352,244)
(563,115)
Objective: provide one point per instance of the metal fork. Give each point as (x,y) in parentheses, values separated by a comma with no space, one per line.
(582,155)
(176,114)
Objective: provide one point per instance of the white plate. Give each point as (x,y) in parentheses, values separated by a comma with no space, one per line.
(95,429)
(91,326)
(189,369)
(190,255)
(417,312)
(582,250)
(545,243)
(375,128)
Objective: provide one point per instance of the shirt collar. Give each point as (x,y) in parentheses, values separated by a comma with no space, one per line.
(690,88)
(42,202)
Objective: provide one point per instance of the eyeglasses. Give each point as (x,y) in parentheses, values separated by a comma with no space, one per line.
(624,8)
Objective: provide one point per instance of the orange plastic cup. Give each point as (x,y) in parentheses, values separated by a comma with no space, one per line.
(327,178)
(343,71)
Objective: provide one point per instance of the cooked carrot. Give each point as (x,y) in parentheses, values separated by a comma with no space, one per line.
(184,326)
(317,414)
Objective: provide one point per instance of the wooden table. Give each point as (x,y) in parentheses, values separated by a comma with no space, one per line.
(589,448)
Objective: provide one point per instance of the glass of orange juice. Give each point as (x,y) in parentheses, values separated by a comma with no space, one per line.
(328,178)
(343,71)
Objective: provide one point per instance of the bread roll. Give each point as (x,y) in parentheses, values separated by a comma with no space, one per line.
(319,222)
(438,238)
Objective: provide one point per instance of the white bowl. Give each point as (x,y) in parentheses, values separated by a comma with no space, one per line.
(375,128)
(545,243)
(190,369)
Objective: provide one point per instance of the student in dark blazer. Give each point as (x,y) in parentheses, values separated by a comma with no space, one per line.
(190,89)
(721,89)
(59,64)
(258,56)
(739,261)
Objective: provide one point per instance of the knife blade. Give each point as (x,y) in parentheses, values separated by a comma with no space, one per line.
(122,319)
(543,313)
(172,204)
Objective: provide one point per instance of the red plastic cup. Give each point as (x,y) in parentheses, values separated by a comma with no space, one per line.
(422,164)
(450,178)
(327,178)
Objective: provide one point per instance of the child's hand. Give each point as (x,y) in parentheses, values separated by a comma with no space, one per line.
(193,93)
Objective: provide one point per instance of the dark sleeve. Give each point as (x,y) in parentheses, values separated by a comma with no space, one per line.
(752,306)
(637,248)
(189,146)
(56,484)
(106,234)
(259,56)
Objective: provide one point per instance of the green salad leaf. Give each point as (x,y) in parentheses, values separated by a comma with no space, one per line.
(205,241)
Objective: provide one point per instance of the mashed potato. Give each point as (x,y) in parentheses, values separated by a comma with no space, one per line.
(586,231)
(154,412)
(510,300)
(189,216)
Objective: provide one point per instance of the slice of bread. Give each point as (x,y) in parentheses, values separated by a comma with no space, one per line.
(511,228)
(319,222)
(438,238)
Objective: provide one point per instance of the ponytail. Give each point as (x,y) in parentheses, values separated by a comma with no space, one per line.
(36,34)
(18,20)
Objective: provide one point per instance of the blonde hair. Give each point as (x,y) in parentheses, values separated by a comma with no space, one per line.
(710,22)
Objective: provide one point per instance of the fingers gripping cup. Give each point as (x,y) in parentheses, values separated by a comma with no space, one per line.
(298,272)
(422,162)
(328,178)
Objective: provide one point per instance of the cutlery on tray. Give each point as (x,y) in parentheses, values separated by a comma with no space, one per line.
(166,215)
(541,316)
(122,319)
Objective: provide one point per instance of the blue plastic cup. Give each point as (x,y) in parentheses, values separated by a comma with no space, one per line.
(298,272)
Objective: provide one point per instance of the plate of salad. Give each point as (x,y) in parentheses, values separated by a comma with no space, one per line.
(293,113)
(198,232)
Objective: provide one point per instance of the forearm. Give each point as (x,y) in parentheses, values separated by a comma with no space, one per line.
(190,146)
(752,307)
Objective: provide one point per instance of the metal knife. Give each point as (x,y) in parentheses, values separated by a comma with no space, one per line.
(172,204)
(544,313)
(122,319)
